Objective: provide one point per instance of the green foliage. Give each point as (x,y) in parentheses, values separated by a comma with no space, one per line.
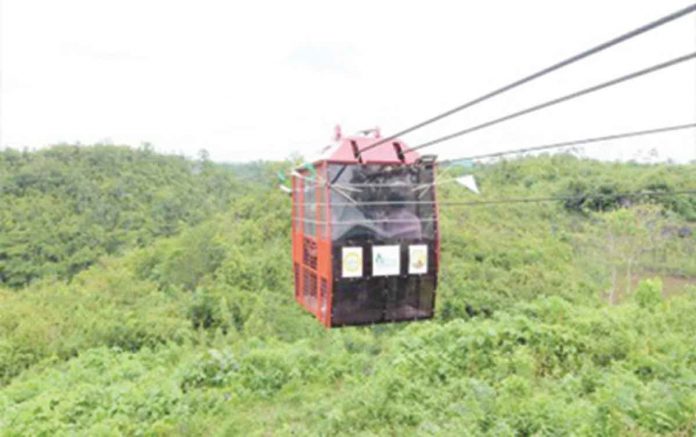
(212,369)
(64,207)
(544,367)
(649,293)
(184,322)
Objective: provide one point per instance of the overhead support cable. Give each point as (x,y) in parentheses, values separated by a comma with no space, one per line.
(587,53)
(556,101)
(573,143)
(577,197)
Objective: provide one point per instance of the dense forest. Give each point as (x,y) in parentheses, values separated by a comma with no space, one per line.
(146,294)
(66,206)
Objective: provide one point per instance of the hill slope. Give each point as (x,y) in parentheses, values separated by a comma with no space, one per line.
(66,206)
(197,333)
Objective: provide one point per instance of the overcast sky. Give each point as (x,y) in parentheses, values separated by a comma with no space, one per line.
(264,79)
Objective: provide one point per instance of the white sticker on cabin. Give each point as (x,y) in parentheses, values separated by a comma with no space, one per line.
(386,260)
(352,262)
(418,259)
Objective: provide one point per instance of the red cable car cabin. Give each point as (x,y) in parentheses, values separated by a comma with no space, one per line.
(365,234)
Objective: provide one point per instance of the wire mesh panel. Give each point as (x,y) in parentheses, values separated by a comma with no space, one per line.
(322,200)
(310,207)
(382,202)
(384,230)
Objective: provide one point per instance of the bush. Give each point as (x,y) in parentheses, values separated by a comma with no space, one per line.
(649,293)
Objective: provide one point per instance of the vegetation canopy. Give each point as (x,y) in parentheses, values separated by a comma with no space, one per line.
(144,294)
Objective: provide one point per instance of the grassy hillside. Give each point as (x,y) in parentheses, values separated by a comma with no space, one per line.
(539,329)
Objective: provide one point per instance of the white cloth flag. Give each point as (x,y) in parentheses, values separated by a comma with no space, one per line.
(469,182)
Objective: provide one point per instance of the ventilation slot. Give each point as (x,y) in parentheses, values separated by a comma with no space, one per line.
(310,288)
(309,253)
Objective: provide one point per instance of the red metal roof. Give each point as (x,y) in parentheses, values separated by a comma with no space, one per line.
(349,150)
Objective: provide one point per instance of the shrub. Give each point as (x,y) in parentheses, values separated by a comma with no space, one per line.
(649,293)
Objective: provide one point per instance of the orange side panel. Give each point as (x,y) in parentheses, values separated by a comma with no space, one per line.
(324,273)
(319,275)
(324,248)
(297,236)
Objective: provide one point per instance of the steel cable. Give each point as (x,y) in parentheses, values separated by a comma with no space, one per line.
(556,101)
(582,55)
